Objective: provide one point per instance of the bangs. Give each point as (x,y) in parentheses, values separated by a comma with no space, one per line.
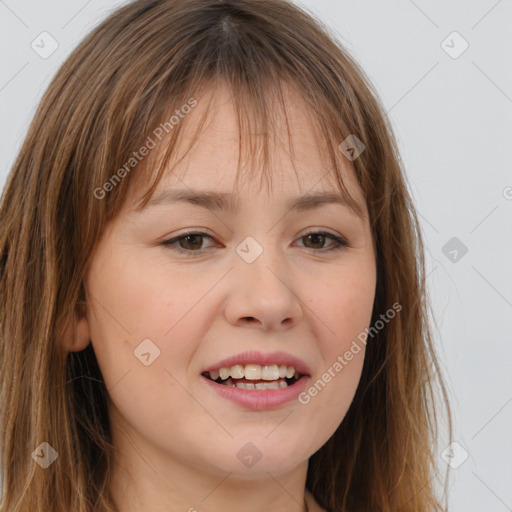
(261,113)
(223,46)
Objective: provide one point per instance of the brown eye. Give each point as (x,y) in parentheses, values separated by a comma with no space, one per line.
(191,242)
(188,242)
(317,240)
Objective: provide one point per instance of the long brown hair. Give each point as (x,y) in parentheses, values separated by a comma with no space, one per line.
(122,82)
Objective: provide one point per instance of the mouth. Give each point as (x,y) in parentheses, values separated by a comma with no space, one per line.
(258,371)
(255,377)
(258,381)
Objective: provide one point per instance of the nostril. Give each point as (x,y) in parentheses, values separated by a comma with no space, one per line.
(249,320)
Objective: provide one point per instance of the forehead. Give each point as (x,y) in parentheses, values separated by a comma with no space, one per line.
(207,155)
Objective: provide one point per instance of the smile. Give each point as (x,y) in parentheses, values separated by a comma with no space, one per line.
(255,376)
(257,380)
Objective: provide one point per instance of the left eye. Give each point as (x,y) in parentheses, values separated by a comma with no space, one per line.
(191,242)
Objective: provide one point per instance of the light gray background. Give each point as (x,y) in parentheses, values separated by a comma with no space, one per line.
(453,119)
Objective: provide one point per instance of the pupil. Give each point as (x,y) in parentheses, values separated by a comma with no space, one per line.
(188,237)
(315,235)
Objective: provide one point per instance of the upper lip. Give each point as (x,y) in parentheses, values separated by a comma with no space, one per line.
(254,357)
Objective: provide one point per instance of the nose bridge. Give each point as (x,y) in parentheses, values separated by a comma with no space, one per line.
(263,287)
(262,259)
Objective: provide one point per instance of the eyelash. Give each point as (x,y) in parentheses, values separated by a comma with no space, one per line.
(340,243)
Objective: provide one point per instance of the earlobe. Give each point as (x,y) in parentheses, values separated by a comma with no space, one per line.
(75,336)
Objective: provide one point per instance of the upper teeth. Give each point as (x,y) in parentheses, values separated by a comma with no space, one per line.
(254,372)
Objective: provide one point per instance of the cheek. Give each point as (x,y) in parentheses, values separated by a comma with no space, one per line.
(143,345)
(135,300)
(343,306)
(140,314)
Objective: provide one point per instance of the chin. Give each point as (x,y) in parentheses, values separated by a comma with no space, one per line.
(258,458)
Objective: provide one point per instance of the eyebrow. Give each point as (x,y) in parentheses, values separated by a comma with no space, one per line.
(219,201)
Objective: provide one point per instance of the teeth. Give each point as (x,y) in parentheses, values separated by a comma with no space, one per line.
(271,372)
(259,385)
(252,372)
(237,371)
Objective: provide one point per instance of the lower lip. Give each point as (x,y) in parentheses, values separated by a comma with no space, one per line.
(262,399)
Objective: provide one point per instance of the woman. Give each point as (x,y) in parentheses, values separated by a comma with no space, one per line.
(286,365)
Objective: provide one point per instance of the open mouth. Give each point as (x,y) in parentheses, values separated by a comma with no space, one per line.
(255,377)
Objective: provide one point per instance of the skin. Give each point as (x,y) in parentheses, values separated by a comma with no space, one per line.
(178,441)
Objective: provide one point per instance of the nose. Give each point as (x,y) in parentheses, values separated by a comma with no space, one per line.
(264,295)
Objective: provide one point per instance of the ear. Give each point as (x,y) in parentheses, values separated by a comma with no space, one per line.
(74,332)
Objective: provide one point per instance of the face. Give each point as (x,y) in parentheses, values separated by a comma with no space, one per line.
(179,289)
